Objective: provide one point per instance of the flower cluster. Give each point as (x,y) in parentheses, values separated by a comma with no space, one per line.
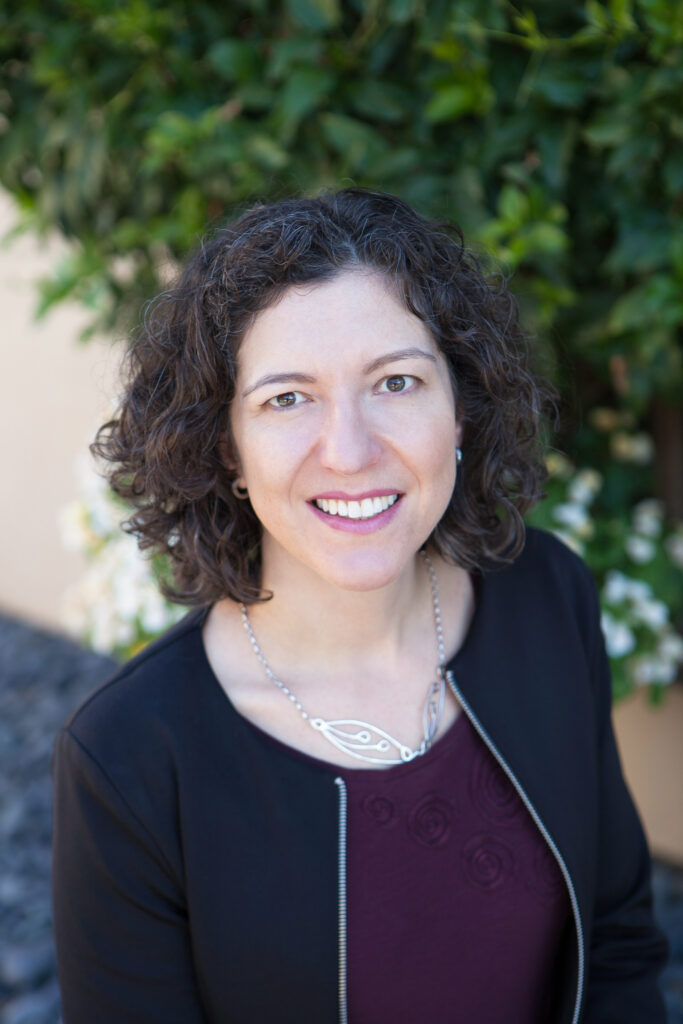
(635,555)
(629,608)
(116,607)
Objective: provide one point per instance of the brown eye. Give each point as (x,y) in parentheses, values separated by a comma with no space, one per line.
(284,401)
(398,382)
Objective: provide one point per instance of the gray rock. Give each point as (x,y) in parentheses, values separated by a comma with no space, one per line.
(26,966)
(39,1007)
(43,677)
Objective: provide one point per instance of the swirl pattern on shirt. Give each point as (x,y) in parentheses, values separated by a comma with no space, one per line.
(492,793)
(487,862)
(430,820)
(380,809)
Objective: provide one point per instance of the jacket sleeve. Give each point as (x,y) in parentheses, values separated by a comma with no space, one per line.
(626,948)
(121,929)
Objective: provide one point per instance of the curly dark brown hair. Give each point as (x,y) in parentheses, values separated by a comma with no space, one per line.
(168,441)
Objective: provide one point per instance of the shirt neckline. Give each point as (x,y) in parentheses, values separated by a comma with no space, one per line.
(330,766)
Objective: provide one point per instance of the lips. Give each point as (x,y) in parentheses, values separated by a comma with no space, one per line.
(362,508)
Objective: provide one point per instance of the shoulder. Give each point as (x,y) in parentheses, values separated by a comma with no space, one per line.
(546,564)
(143,707)
(547,586)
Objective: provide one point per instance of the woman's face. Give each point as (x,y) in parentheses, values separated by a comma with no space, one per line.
(344,427)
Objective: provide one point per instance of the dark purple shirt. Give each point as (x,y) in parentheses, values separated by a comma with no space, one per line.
(456,905)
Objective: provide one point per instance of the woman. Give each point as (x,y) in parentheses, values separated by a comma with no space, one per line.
(372,777)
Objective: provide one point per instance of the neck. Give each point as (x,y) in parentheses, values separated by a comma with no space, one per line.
(314,621)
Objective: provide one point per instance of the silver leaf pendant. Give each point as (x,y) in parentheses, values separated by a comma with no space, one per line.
(357,739)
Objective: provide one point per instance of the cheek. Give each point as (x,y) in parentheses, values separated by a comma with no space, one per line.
(439,439)
(433,432)
(270,458)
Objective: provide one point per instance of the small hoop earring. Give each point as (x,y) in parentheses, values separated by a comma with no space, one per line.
(458,455)
(239,490)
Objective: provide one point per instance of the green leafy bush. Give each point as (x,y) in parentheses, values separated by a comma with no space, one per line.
(551,132)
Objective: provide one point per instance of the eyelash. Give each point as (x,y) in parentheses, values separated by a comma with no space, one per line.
(400,376)
(408,377)
(273,402)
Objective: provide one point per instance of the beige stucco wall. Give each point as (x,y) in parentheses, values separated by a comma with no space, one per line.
(53,393)
(651,743)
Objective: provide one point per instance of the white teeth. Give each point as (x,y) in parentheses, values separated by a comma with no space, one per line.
(367,508)
(364,509)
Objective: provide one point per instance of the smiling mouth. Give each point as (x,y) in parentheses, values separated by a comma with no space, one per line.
(366,508)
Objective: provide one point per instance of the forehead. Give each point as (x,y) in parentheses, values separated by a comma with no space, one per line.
(355,316)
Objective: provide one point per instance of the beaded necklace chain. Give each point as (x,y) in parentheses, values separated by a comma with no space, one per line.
(360,739)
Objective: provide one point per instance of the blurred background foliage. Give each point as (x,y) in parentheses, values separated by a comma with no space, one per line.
(551,132)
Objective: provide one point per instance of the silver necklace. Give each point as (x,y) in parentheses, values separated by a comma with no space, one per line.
(356,737)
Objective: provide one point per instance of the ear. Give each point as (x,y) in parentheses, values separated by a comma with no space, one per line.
(229,458)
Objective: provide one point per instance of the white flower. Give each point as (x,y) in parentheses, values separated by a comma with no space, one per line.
(648,670)
(125,633)
(615,589)
(619,639)
(670,647)
(651,613)
(155,614)
(639,590)
(604,419)
(619,587)
(640,549)
(103,628)
(584,486)
(647,517)
(576,518)
(636,448)
(674,547)
(558,465)
(572,542)
(74,527)
(649,507)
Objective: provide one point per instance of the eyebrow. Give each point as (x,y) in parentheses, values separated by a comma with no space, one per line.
(402,353)
(279,378)
(305,378)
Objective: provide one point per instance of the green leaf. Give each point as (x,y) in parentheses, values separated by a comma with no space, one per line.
(556,143)
(609,128)
(658,300)
(235,60)
(454,100)
(562,83)
(380,101)
(266,152)
(304,91)
(351,139)
(513,205)
(643,245)
(295,51)
(401,11)
(399,163)
(597,15)
(317,15)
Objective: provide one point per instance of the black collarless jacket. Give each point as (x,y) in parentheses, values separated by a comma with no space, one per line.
(196,865)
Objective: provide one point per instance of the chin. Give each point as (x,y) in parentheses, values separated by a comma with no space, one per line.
(366,572)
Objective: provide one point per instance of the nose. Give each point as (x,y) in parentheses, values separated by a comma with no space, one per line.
(349,442)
